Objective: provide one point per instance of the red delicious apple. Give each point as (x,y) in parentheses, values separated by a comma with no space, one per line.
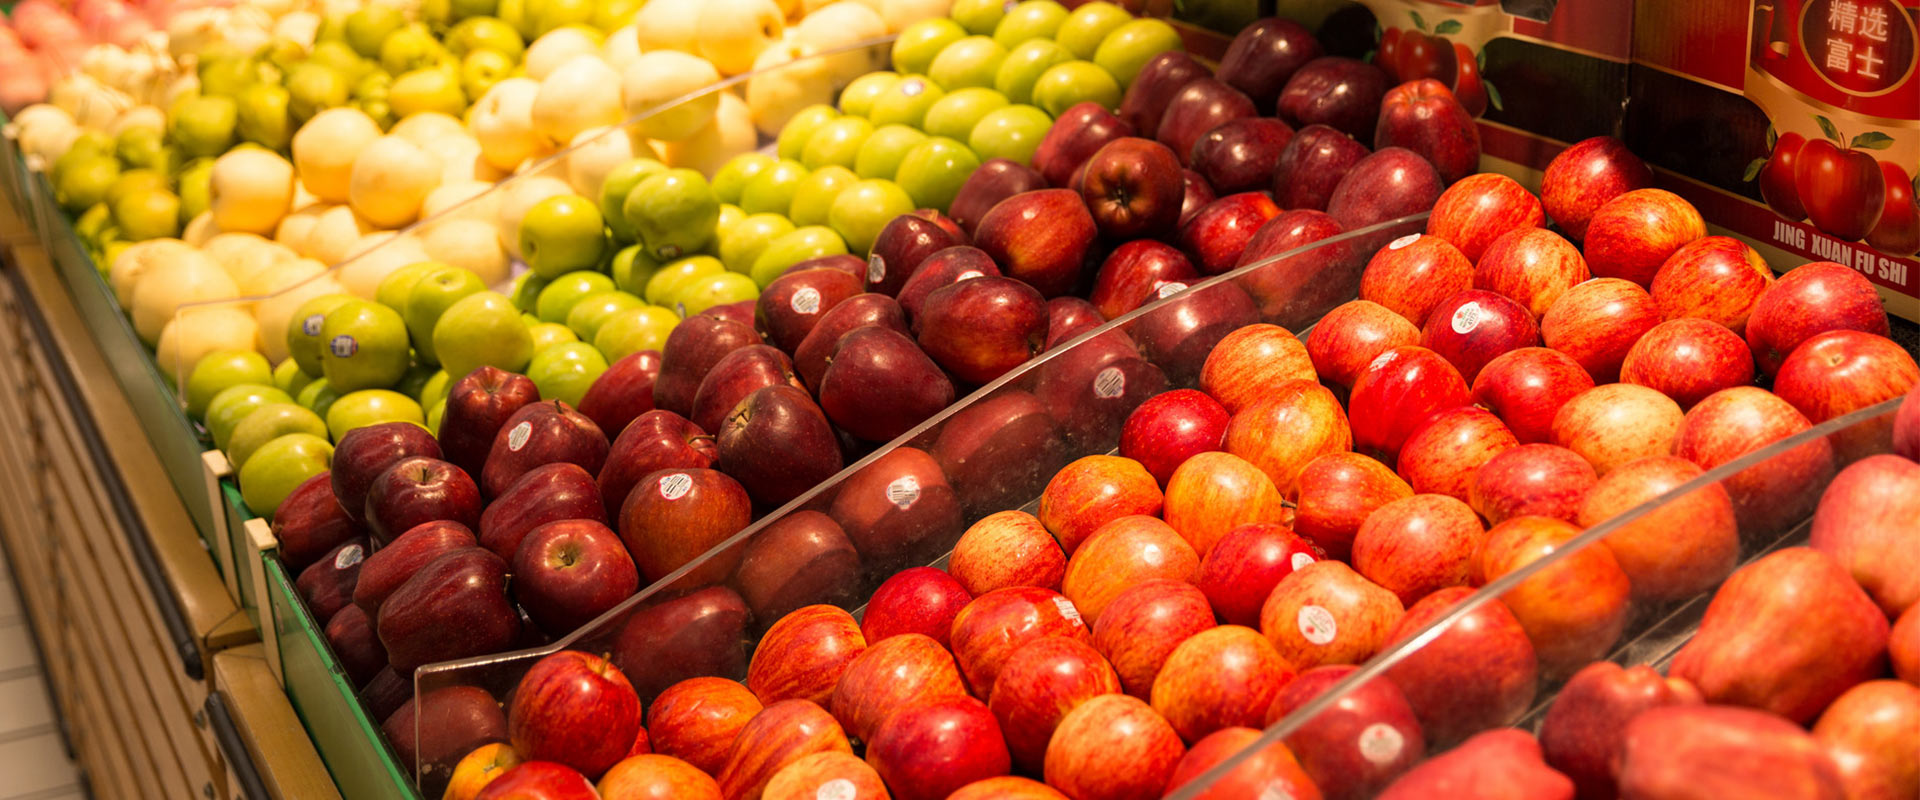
(738,374)
(1040,237)
(652,777)
(1477,673)
(897,252)
(928,750)
(1220,678)
(1392,183)
(1137,273)
(454,607)
(1528,387)
(1313,165)
(1352,335)
(1442,455)
(998,452)
(1357,745)
(901,672)
(1198,193)
(1249,363)
(569,572)
(416,490)
(1898,232)
(1787,633)
(1239,154)
(1043,680)
(1179,332)
(811,358)
(800,559)
(979,329)
(1678,549)
(697,634)
(623,392)
(832,772)
(919,600)
(1868,733)
(1198,107)
(691,351)
(1295,287)
(1294,422)
(989,629)
(1215,236)
(791,305)
(1776,178)
(1264,55)
(1807,301)
(778,444)
(1014,787)
(1776,492)
(1133,189)
(1478,209)
(576,709)
(1418,545)
(1154,87)
(350,633)
(779,735)
(1245,565)
(674,516)
(1688,359)
(1587,174)
(1503,763)
(802,655)
(1142,626)
(1112,747)
(1091,388)
(433,732)
(1598,322)
(1272,769)
(310,522)
(478,405)
(1122,553)
(1839,372)
(1325,613)
(1473,327)
(1340,92)
(1532,479)
(365,453)
(697,719)
(1843,189)
(387,692)
(1081,131)
(898,509)
(1586,726)
(1685,751)
(1616,424)
(995,180)
(1090,492)
(742,311)
(1424,117)
(1533,266)
(1213,493)
(1395,396)
(547,493)
(1336,493)
(1634,233)
(1171,427)
(542,433)
(656,440)
(1413,274)
(1716,278)
(1574,609)
(1068,317)
(1865,521)
(946,267)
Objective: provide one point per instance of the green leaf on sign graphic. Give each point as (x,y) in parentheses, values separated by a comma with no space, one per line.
(1368,56)
(1916,185)
(1753,170)
(1480,59)
(1418,21)
(1444,28)
(1772,136)
(1493,96)
(1826,126)
(1872,140)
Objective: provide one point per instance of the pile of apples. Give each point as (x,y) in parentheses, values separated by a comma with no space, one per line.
(43,41)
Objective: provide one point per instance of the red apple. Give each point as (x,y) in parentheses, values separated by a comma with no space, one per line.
(432,732)
(1585,176)
(454,607)
(989,629)
(1337,493)
(997,179)
(1213,493)
(1634,233)
(1342,92)
(350,633)
(1868,733)
(898,509)
(310,522)
(902,245)
(1215,236)
(1503,763)
(1617,423)
(1112,747)
(1688,359)
(779,735)
(1121,553)
(1843,189)
(1352,335)
(921,600)
(364,454)
(1312,165)
(1264,55)
(568,573)
(1295,286)
(980,329)
(674,516)
(1040,237)
(1200,106)
(576,709)
(1423,116)
(1293,423)
(547,493)
(1171,427)
(1272,769)
(942,269)
(1574,609)
(1839,372)
(1198,193)
(697,719)
(1418,545)
(1680,548)
(538,780)
(1528,387)
(1532,479)
(1134,189)
(478,405)
(1865,521)
(1478,209)
(1776,492)
(1443,454)
(1597,323)
(1898,232)
(1586,726)
(736,376)
(416,490)
(537,434)
(1473,327)
(1081,131)
(1325,613)
(1248,363)
(897,673)
(656,440)
(803,655)
(1477,673)
(1776,178)
(1153,88)
(387,568)
(327,585)
(1533,266)
(1396,394)
(1357,745)
(1239,155)
(697,634)
(1413,274)
(1220,678)
(801,559)
(792,304)
(1245,565)
(928,750)
(1137,273)
(830,772)
(1390,184)
(1006,549)
(1093,491)
(1716,278)
(1143,625)
(1043,680)
(815,352)
(655,777)
(1809,300)
(623,392)
(1721,751)
(778,444)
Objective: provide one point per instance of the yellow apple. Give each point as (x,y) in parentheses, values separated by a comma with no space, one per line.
(390,179)
(661,76)
(731,33)
(503,122)
(200,330)
(580,94)
(324,150)
(252,189)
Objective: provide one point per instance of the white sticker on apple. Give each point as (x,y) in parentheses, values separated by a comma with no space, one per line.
(1403,241)
(311,325)
(969,275)
(1317,625)
(1301,560)
(1109,383)
(1066,609)
(343,346)
(676,486)
(1467,317)
(350,555)
(806,301)
(517,438)
(1380,743)
(903,491)
(1169,289)
(837,789)
(1278,790)
(876,268)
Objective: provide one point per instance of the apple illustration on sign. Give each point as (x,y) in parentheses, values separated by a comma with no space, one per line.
(1411,54)
(1841,185)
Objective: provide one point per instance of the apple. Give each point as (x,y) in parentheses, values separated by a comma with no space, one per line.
(387,568)
(1585,727)
(417,490)
(1634,233)
(1089,493)
(879,384)
(803,654)
(1865,732)
(1007,787)
(1442,455)
(692,350)
(310,522)
(1356,746)
(647,776)
(1473,327)
(454,719)
(1239,155)
(1616,424)
(1248,364)
(1196,108)
(1477,673)
(1418,545)
(779,735)
(997,179)
(1264,54)
(981,328)
(1218,233)
(898,509)
(800,559)
(1843,189)
(1111,747)
(1528,387)
(940,270)
(1597,322)
(1773,494)
(697,719)
(905,242)
(1068,317)
(387,692)
(1391,183)
(542,433)
(1687,360)
(1717,278)
(1294,290)
(568,573)
(1413,274)
(1167,429)
(1506,761)
(674,516)
(1861,523)
(1245,565)
(1533,266)
(1423,116)
(1143,625)
(1587,174)
(1898,230)
(1532,480)
(361,456)
(1395,396)
(1121,553)
(623,392)
(1325,613)
(1809,300)
(1212,493)
(546,780)
(1681,548)
(350,633)
(1336,493)
(1046,679)
(734,377)
(1134,189)
(793,303)
(1076,135)
(1225,677)
(547,493)
(1198,194)
(478,768)
(921,600)
(1722,751)
(994,625)
(1575,608)
(1159,80)
(1006,549)
(1478,209)
(1179,333)
(575,709)
(777,444)
(1312,166)
(655,440)
(811,358)
(1137,273)
(1040,237)
(1839,372)
(906,671)
(1331,90)
(454,607)
(829,772)
(928,750)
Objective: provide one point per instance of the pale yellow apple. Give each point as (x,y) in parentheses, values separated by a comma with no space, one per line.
(44,135)
(201,330)
(732,33)
(334,234)
(297,226)
(519,196)
(137,259)
(544,166)
(275,312)
(280,276)
(456,200)
(785,81)
(243,255)
(252,189)
(166,286)
(461,160)
(390,178)
(324,150)
(840,25)
(621,47)
(661,77)
(503,122)
(375,257)
(668,25)
(901,13)
(472,244)
(429,130)
(729,134)
(138,117)
(581,94)
(199,229)
(593,154)
(557,47)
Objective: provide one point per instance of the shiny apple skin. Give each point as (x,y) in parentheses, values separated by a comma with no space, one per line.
(1220,678)
(1617,423)
(1532,479)
(1587,174)
(1248,363)
(1575,608)
(1634,233)
(779,735)
(1007,549)
(1171,427)
(1681,548)
(1291,425)
(1777,492)
(803,655)
(1112,747)
(1597,322)
(1213,493)
(895,673)
(1478,209)
(1121,553)
(1476,326)
(576,709)
(1353,618)
(1687,360)
(1418,545)
(1839,372)
(697,719)
(1809,300)
(1443,454)
(1093,491)
(1337,493)
(1046,679)
(1245,565)
(1143,625)
(1528,387)
(993,626)
(1533,266)
(1414,273)
(1396,394)
(1358,745)
(928,751)
(1586,725)
(1716,278)
(919,600)
(1479,673)
(1352,335)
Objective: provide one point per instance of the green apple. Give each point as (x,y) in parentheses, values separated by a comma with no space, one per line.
(225,75)
(771,191)
(836,143)
(730,182)
(673,212)
(317,397)
(303,330)
(221,369)
(410,48)
(268,423)
(566,371)
(730,215)
(485,33)
(979,17)
(314,87)
(364,346)
(743,243)
(955,115)
(202,126)
(560,294)
(933,172)
(372,407)
(392,290)
(631,269)
(370,95)
(562,234)
(514,12)
(918,43)
(437,386)
(614,190)
(815,196)
(906,102)
(288,378)
(1031,19)
(526,291)
(435,413)
(1024,65)
(612,15)
(794,135)
(1065,85)
(427,89)
(481,69)
(130,181)
(1012,133)
(551,14)
(370,25)
(666,280)
(794,247)
(1083,29)
(864,208)
(429,298)
(857,99)
(279,467)
(548,334)
(969,62)
(593,310)
(482,329)
(708,291)
(416,377)
(1130,46)
(196,188)
(634,330)
(881,154)
(81,181)
(229,406)
(147,214)
(144,146)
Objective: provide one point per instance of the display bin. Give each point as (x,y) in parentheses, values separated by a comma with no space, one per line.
(268,752)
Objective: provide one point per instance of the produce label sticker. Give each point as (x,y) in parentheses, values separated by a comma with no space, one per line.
(1067,610)
(517,438)
(343,346)
(1110,383)
(311,325)
(1301,560)
(837,789)
(1380,743)
(1278,790)
(1403,241)
(912,87)
(675,486)
(1316,624)
(1169,289)
(876,268)
(806,301)
(968,275)
(903,491)
(350,555)
(1467,317)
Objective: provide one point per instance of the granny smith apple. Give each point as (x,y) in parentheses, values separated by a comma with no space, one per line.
(1024,65)
(288,377)
(614,190)
(771,191)
(303,330)
(593,310)
(631,268)
(435,88)
(363,346)
(1030,19)
(1131,45)
(81,182)
(743,243)
(548,334)
(666,280)
(979,17)
(864,208)
(558,298)
(203,126)
(279,467)
(147,214)
(673,212)
(416,378)
(437,386)
(134,180)
(372,407)
(814,197)
(705,292)
(551,14)
(969,62)
(562,234)
(612,15)
(881,154)
(933,172)
(794,135)
(1012,133)
(317,397)
(231,405)
(410,48)
(730,215)
(485,33)
(792,248)
(634,330)
(514,12)
(482,329)
(429,298)
(481,69)
(730,182)
(393,289)
(836,143)
(566,371)
(919,42)
(144,146)
(370,25)
(435,413)
(906,102)
(221,369)
(857,99)
(526,291)
(1087,25)
(1063,86)
(268,423)
(955,115)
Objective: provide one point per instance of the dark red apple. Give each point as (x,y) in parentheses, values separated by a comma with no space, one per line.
(674,516)
(1527,388)
(311,522)
(1294,290)
(897,252)
(799,560)
(737,375)
(417,490)
(793,303)
(1843,189)
(1264,55)
(326,586)
(383,571)
(1137,273)
(1477,673)
(940,270)
(1164,75)
(1239,155)
(568,573)
(1368,737)
(547,493)
(1044,680)
(1133,188)
(1171,427)
(433,732)
(1423,116)
(879,385)
(1586,726)
(811,358)
(1312,165)
(542,433)
(1198,193)
(1198,107)
(1041,237)
(1391,183)
(690,636)
(1219,232)
(623,392)
(995,180)
(1474,327)
(927,751)
(478,406)
(1340,92)
(999,452)
(454,607)
(899,509)
(1081,131)
(777,444)
(350,634)
(691,351)
(365,453)
(1178,333)
(656,440)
